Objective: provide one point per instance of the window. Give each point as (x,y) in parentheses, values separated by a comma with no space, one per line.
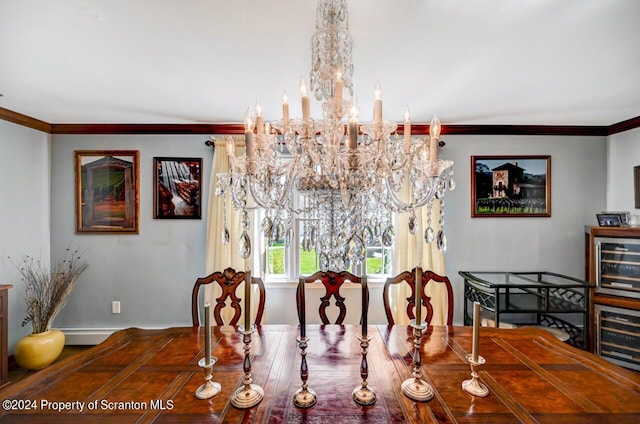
(287,263)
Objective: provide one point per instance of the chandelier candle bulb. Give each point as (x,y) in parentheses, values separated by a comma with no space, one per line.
(407,130)
(418,299)
(365,305)
(302,308)
(207,334)
(306,106)
(285,111)
(259,119)
(434,132)
(248,134)
(377,104)
(247,300)
(475,346)
(353,125)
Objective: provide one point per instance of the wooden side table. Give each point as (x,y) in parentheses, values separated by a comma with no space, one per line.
(4,332)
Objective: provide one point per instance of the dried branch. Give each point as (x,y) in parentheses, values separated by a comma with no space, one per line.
(47,288)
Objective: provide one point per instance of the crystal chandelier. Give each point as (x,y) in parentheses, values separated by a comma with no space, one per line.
(343,183)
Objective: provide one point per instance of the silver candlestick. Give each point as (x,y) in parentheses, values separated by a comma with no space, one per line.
(473,386)
(416,388)
(304,397)
(210,388)
(362,394)
(249,394)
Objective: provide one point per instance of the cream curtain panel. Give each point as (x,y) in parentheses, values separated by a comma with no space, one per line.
(410,251)
(218,255)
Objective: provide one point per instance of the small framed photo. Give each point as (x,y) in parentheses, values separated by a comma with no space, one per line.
(177,186)
(609,219)
(107,191)
(510,186)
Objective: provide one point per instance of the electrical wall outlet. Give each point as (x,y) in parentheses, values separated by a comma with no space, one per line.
(115,307)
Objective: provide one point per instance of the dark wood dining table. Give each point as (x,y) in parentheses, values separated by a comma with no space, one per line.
(144,376)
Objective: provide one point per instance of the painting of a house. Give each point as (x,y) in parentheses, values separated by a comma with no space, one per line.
(511,186)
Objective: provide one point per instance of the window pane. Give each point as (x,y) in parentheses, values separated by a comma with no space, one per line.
(308,262)
(275,259)
(378,260)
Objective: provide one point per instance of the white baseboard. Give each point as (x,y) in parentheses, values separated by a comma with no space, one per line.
(94,336)
(86,336)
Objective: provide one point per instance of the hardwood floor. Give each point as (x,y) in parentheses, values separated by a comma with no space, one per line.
(16,373)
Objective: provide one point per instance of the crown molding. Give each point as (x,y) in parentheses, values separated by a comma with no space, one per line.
(207,129)
(627,125)
(237,128)
(24,120)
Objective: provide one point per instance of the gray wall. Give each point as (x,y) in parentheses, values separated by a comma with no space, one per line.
(624,154)
(578,191)
(152,273)
(24,212)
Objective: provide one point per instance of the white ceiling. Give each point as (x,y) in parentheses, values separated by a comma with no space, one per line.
(535,62)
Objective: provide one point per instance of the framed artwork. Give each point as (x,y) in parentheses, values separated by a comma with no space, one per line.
(177,186)
(510,186)
(107,191)
(636,185)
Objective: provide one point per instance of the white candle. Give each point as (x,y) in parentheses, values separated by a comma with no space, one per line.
(407,130)
(418,298)
(259,119)
(475,346)
(434,132)
(306,108)
(353,125)
(207,334)
(338,94)
(365,305)
(247,300)
(248,133)
(285,111)
(377,104)
(302,308)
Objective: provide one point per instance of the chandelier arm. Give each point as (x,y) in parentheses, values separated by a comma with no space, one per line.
(280,202)
(406,207)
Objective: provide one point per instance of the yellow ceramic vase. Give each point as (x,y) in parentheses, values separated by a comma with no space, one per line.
(39,350)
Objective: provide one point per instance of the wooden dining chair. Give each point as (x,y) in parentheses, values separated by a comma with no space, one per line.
(228,280)
(408,277)
(332,281)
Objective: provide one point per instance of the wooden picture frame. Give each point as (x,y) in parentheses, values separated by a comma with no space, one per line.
(511,186)
(107,191)
(177,188)
(636,185)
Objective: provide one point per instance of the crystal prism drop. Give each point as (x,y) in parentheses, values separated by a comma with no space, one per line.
(244,249)
(278,233)
(225,235)
(441,242)
(288,236)
(413,224)
(267,227)
(387,236)
(324,262)
(452,184)
(429,235)
(244,221)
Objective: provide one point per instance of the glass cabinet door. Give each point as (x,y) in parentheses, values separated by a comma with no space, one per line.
(618,267)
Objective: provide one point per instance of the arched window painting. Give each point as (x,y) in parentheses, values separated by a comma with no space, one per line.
(510,186)
(107,191)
